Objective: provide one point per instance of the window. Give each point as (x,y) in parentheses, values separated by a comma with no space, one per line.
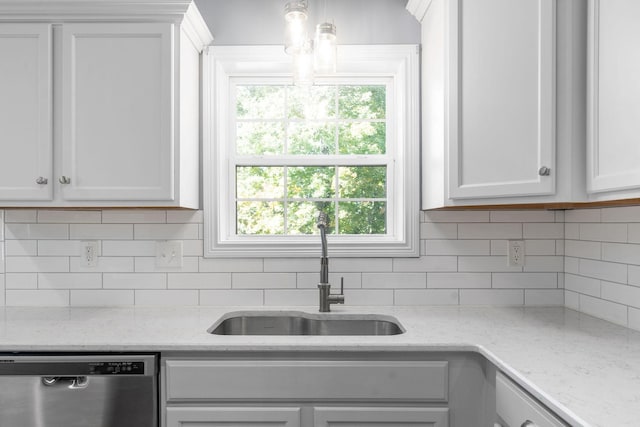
(275,154)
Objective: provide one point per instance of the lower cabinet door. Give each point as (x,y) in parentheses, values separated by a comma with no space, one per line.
(380,417)
(237,416)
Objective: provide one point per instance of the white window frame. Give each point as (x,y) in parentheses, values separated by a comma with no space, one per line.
(397,63)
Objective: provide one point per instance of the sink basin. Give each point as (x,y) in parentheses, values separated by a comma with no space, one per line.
(299,323)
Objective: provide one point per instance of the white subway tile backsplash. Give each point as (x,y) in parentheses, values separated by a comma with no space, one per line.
(416,297)
(21,248)
(2,258)
(134,281)
(69,217)
(524,280)
(394,280)
(571,265)
(184,217)
(59,247)
(537,297)
(24,264)
(621,214)
(37,298)
(490,231)
(633,272)
(280,297)
(361,264)
(69,280)
(2,289)
(615,313)
(531,247)
(458,280)
(544,263)
(368,296)
(572,300)
(456,216)
(21,280)
(582,215)
(604,232)
(20,215)
(543,230)
(634,319)
(101,231)
(582,285)
(523,216)
(426,263)
(559,247)
(102,297)
(623,294)
(199,280)
(165,231)
(613,272)
(231,265)
(105,265)
(457,247)
(20,231)
(310,280)
(491,297)
(263,280)
(583,249)
(634,233)
(288,265)
(623,253)
(231,298)
(129,248)
(192,248)
(148,265)
(438,230)
(485,264)
(133,216)
(166,298)
(571,231)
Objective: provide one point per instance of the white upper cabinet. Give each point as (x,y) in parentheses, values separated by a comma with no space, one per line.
(493,117)
(125,106)
(613,152)
(25,112)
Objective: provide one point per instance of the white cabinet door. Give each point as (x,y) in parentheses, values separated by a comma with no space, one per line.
(613,153)
(117,113)
(501,98)
(380,417)
(25,112)
(237,416)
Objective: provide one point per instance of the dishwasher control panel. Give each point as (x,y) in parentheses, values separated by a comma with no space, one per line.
(116,368)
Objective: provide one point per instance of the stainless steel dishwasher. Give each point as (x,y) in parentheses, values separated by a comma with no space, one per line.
(78,390)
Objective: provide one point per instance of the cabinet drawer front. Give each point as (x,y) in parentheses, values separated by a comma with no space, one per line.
(515,406)
(238,417)
(381,417)
(307,380)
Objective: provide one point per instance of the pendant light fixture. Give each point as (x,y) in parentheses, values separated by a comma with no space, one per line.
(310,56)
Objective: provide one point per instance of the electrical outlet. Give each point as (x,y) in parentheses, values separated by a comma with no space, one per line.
(169,253)
(89,253)
(515,249)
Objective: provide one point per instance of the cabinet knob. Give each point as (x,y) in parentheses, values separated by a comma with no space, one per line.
(528,423)
(544,171)
(64,180)
(42,180)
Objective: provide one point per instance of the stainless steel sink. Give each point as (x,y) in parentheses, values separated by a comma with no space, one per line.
(299,323)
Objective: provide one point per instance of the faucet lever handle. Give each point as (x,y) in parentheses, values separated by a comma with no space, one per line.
(342,286)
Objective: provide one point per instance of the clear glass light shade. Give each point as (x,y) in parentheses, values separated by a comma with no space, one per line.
(325,48)
(295,15)
(303,65)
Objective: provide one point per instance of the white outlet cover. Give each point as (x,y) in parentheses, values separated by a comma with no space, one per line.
(169,253)
(515,253)
(89,253)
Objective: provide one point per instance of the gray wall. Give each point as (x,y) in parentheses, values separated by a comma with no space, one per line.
(261,22)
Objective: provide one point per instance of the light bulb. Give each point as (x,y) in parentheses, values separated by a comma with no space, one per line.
(303,65)
(295,15)
(325,48)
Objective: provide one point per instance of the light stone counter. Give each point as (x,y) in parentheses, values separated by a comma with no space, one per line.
(585,369)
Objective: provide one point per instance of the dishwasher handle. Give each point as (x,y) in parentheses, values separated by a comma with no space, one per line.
(78,382)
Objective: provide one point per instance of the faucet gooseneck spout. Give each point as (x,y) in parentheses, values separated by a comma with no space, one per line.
(324,287)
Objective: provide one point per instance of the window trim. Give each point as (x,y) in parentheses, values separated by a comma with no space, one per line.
(224,63)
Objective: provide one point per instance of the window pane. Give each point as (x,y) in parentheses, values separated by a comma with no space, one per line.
(259,182)
(311,182)
(312,138)
(260,102)
(260,217)
(362,138)
(362,102)
(302,217)
(362,217)
(363,182)
(259,138)
(312,102)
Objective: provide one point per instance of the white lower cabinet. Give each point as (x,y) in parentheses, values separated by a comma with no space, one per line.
(380,417)
(516,408)
(238,417)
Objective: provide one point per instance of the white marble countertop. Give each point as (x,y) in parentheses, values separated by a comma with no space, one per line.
(585,369)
